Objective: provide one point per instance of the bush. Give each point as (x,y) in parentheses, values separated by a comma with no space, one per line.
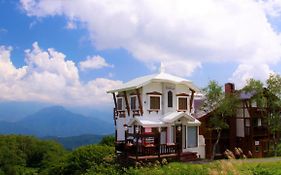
(87,159)
(108,141)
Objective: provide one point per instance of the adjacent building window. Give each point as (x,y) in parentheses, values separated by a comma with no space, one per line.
(192,140)
(119,103)
(170,99)
(133,102)
(155,102)
(182,103)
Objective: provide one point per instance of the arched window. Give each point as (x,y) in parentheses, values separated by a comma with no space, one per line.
(170,99)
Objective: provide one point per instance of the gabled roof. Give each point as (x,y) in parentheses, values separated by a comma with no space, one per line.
(164,120)
(161,77)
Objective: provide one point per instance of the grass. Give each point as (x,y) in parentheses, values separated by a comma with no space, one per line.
(265,166)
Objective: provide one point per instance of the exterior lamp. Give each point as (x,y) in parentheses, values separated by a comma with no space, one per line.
(137,130)
(179,128)
(126,127)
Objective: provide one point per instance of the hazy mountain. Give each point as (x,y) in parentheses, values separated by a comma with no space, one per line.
(56,121)
(14,111)
(73,142)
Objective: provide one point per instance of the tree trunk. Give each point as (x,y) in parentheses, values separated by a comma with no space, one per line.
(216,143)
(274,144)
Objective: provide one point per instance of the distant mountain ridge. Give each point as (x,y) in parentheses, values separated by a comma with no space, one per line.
(56,121)
(73,142)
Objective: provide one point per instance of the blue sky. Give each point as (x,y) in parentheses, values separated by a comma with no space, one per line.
(223,41)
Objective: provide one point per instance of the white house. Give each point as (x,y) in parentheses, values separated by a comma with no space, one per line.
(154,115)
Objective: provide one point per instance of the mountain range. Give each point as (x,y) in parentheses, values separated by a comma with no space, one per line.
(56,121)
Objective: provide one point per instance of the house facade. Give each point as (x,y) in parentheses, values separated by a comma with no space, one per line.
(153,117)
(248,128)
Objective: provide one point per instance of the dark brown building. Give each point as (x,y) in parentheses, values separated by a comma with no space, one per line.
(247,130)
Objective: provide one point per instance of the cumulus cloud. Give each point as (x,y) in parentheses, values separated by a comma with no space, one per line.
(94,62)
(183,34)
(49,77)
(246,71)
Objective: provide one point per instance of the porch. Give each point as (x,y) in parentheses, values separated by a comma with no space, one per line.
(147,146)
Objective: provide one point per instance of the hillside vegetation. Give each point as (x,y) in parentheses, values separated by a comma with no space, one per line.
(30,156)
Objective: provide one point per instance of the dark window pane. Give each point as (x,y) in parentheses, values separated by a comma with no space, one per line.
(119,104)
(170,99)
(133,102)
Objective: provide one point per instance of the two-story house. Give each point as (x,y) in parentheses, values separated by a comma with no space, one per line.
(248,128)
(153,117)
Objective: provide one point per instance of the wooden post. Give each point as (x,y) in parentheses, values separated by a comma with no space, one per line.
(140,102)
(159,144)
(127,103)
(137,146)
(114,98)
(191,100)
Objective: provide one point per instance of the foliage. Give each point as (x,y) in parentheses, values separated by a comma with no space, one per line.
(274,95)
(108,140)
(222,107)
(87,159)
(26,154)
(170,169)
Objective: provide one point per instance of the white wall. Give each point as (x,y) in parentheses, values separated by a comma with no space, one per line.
(240,128)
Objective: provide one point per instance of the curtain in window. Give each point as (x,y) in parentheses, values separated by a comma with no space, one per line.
(182,103)
(192,136)
(119,104)
(154,102)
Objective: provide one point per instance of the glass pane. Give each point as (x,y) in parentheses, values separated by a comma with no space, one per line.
(192,136)
(133,102)
(119,103)
(170,99)
(182,103)
(154,102)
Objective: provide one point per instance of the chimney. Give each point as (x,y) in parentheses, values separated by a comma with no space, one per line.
(229,88)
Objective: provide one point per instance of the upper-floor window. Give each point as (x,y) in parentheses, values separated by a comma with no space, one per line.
(170,99)
(182,103)
(120,103)
(133,100)
(154,102)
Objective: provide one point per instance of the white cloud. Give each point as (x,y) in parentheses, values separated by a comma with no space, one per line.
(49,77)
(183,34)
(94,62)
(247,71)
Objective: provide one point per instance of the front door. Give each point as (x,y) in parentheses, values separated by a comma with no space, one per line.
(179,136)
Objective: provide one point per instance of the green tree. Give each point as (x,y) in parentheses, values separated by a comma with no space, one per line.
(222,106)
(274,104)
(93,158)
(108,140)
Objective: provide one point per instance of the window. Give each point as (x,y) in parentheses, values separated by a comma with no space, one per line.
(192,137)
(119,103)
(133,102)
(170,99)
(154,102)
(182,103)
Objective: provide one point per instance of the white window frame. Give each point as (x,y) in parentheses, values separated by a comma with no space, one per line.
(187,103)
(159,101)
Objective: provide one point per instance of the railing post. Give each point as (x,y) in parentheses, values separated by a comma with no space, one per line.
(137,146)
